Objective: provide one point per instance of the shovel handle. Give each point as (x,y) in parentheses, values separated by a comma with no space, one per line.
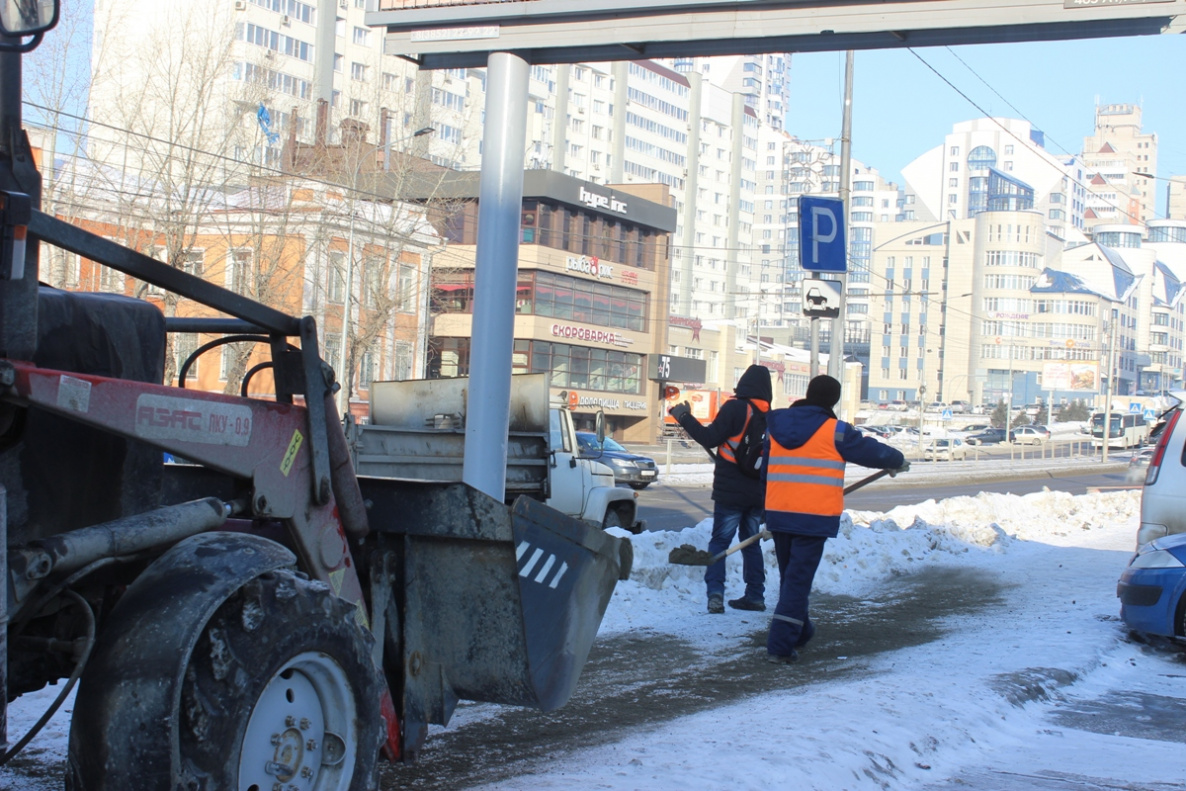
(866,481)
(739,545)
(766,533)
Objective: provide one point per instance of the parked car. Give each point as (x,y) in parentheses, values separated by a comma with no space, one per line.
(877,432)
(976,428)
(1152,586)
(945,450)
(1163,498)
(959,407)
(1029,435)
(936,406)
(990,436)
(630,469)
(897,405)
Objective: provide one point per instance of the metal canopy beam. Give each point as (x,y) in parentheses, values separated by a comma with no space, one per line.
(542,31)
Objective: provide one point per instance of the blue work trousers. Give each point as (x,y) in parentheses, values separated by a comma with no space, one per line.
(728,520)
(798,558)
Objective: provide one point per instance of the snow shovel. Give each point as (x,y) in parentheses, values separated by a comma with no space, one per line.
(688,555)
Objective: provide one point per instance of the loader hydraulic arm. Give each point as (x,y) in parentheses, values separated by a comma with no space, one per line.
(260,442)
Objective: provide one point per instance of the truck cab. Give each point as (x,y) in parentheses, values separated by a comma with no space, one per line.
(581,485)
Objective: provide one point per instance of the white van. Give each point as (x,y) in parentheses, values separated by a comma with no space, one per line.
(1163,498)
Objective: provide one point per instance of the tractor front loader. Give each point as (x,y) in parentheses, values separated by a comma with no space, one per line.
(256,616)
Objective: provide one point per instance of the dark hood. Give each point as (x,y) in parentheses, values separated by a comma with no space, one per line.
(755,383)
(792,427)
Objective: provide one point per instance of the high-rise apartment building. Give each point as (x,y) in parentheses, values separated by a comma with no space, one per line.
(206,89)
(764,81)
(997,164)
(1175,198)
(1122,163)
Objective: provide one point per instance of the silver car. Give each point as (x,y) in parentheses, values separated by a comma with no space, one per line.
(945,450)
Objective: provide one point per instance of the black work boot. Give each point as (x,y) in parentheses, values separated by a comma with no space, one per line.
(748,604)
(716,604)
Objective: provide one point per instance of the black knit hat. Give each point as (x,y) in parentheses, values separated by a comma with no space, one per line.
(823,391)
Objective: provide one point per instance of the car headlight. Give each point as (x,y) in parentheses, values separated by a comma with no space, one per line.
(622,464)
(1157,559)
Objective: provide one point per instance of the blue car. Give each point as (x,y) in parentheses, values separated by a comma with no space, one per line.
(1153,587)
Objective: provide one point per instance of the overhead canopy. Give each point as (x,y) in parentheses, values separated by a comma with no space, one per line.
(462,33)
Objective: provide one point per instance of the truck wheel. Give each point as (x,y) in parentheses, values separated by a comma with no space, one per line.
(281,692)
(613,518)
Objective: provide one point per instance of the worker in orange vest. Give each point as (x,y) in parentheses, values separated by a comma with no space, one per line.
(806,450)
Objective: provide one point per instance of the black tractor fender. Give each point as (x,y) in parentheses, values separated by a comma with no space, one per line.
(139,661)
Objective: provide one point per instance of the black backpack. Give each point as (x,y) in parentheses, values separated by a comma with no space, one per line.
(748,451)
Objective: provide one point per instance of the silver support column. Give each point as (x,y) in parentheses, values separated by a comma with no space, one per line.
(840,323)
(500,201)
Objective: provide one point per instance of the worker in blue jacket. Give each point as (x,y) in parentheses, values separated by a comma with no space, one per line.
(807,448)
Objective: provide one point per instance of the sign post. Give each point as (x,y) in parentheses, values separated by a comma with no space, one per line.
(823,248)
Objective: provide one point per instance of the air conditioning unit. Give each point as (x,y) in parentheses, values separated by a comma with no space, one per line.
(285,21)
(269,55)
(581,110)
(240,5)
(343,4)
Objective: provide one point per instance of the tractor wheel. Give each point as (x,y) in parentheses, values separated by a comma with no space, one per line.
(281,692)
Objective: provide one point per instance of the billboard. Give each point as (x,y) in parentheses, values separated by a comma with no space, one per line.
(1081,376)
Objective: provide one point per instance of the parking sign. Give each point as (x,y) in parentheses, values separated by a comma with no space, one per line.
(822,246)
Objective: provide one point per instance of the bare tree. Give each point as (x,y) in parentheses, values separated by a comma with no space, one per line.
(167,146)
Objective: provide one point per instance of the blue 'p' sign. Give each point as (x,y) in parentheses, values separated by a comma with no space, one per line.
(822,245)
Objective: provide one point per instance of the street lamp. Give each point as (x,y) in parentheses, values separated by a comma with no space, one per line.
(421,132)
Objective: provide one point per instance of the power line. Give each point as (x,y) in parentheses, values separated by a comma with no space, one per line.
(1009,132)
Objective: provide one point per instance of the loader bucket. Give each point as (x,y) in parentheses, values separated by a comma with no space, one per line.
(495,604)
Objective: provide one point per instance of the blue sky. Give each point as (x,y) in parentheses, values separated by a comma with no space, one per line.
(901,108)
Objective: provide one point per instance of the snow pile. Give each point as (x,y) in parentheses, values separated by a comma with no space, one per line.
(872,547)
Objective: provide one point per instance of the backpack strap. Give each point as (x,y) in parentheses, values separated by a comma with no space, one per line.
(732,443)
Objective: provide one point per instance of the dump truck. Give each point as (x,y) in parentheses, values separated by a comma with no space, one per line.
(258,617)
(416,430)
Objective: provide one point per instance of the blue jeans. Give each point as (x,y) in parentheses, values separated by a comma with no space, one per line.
(798,558)
(726,520)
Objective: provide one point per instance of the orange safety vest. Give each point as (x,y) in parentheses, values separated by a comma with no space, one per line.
(728,448)
(808,479)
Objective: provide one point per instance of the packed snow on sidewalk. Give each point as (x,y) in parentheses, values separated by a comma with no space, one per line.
(915,716)
(912,716)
